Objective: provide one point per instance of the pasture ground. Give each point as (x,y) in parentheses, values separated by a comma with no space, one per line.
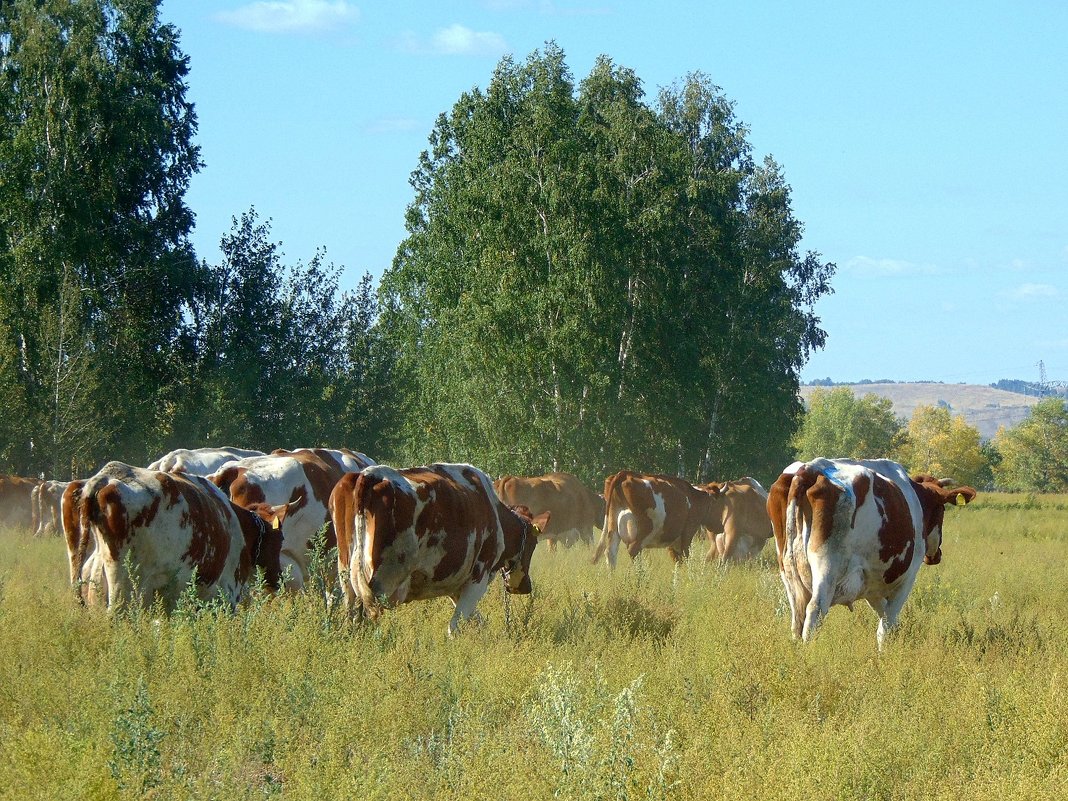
(639,684)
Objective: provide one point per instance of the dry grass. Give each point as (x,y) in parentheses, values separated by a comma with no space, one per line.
(643,683)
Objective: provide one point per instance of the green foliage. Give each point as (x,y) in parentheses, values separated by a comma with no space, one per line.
(590,282)
(945,446)
(837,424)
(136,763)
(1034,454)
(282,356)
(101,295)
(96,270)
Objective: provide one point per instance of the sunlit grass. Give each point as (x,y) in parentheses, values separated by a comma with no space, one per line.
(647,682)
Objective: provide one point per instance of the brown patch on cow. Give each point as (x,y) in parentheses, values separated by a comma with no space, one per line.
(823,497)
(147,514)
(224,478)
(897,539)
(343,516)
(112,514)
(245,492)
(209,542)
(323,471)
(169,487)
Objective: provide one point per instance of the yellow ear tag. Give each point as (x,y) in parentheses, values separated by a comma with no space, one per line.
(534,529)
(276,525)
(960,500)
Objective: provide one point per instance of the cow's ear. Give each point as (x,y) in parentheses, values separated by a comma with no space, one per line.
(958,496)
(539,523)
(278,514)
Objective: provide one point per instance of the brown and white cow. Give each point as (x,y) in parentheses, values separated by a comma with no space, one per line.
(428,532)
(45,498)
(649,511)
(200,461)
(164,528)
(304,478)
(847,530)
(16,502)
(740,508)
(574,510)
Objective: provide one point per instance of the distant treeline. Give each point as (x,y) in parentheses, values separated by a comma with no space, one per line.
(1031,388)
(1017,385)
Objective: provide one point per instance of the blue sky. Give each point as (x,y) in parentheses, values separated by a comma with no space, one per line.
(926,143)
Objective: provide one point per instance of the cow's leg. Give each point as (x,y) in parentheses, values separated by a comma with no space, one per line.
(798,597)
(888,610)
(818,604)
(717,546)
(466,602)
(679,550)
(348,590)
(624,531)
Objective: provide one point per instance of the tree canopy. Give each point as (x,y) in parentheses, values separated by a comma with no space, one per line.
(1034,454)
(944,445)
(839,424)
(116,342)
(591,282)
(96,153)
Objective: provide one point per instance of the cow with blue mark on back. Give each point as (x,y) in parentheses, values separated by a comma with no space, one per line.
(847,530)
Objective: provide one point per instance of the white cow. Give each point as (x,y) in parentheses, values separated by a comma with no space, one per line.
(200,461)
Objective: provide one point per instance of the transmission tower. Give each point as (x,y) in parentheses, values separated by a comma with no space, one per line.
(1043,389)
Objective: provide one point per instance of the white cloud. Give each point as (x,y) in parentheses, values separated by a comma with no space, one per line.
(455,40)
(1030,291)
(1018,265)
(459,40)
(870,266)
(292,16)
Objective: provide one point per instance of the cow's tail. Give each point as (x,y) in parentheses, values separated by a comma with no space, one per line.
(103,518)
(76,535)
(37,509)
(343,517)
(797,501)
(608,530)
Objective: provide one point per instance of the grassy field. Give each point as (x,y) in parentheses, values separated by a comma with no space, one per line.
(643,683)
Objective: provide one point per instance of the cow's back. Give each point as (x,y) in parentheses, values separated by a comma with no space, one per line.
(200,461)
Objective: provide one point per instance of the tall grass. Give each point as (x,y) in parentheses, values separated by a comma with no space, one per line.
(644,683)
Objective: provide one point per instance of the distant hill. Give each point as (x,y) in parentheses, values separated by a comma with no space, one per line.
(982,406)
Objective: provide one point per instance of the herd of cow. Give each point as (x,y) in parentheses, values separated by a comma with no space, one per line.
(209,518)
